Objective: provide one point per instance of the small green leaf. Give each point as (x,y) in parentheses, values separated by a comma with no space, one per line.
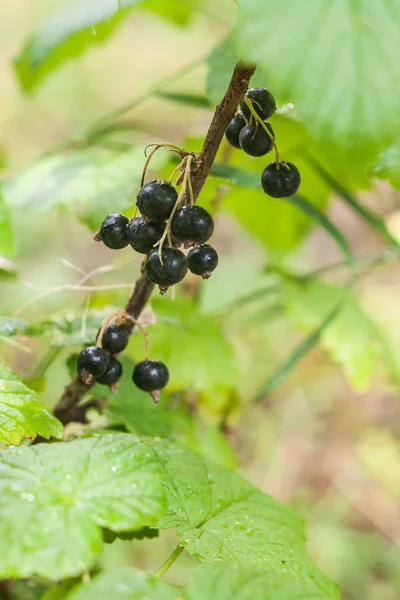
(388,165)
(177,12)
(55,499)
(125,584)
(195,100)
(92,182)
(6,233)
(10,326)
(21,412)
(66,34)
(57,592)
(220,516)
(7,268)
(192,344)
(351,339)
(340,60)
(69,330)
(231,580)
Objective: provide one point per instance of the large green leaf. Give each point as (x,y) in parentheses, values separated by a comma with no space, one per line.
(66,34)
(95,182)
(237,582)
(220,64)
(125,584)
(192,344)
(220,516)
(55,499)
(6,233)
(352,338)
(337,60)
(21,412)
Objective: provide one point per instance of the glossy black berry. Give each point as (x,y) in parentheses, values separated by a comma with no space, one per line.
(172,270)
(142,235)
(112,374)
(115,338)
(192,224)
(92,361)
(113,231)
(150,375)
(280,180)
(263,103)
(156,200)
(254,140)
(234,129)
(203,260)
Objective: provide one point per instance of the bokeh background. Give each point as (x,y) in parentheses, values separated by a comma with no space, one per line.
(326,439)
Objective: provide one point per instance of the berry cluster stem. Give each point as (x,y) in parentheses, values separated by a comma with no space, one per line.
(187,161)
(145,333)
(104,326)
(258,119)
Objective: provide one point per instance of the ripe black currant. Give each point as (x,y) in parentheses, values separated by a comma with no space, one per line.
(203,260)
(112,374)
(92,361)
(113,231)
(192,224)
(150,376)
(234,129)
(115,338)
(172,270)
(263,103)
(254,140)
(156,200)
(280,180)
(142,235)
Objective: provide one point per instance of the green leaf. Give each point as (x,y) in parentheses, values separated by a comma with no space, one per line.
(6,233)
(352,339)
(340,60)
(55,499)
(68,330)
(7,268)
(21,412)
(133,408)
(57,592)
(177,12)
(220,64)
(220,516)
(125,584)
(65,35)
(195,100)
(374,220)
(231,580)
(10,326)
(192,344)
(388,165)
(95,181)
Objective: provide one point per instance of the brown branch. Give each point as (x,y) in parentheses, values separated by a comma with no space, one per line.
(66,409)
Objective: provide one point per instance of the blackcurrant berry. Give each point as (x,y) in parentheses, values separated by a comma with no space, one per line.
(156,200)
(142,235)
(280,180)
(254,140)
(172,270)
(92,361)
(150,376)
(115,338)
(192,224)
(234,129)
(113,231)
(263,103)
(112,374)
(203,260)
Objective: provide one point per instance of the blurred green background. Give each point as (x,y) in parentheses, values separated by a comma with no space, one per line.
(326,439)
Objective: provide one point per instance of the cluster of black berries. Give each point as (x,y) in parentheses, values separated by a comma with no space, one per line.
(190,225)
(100,363)
(280,179)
